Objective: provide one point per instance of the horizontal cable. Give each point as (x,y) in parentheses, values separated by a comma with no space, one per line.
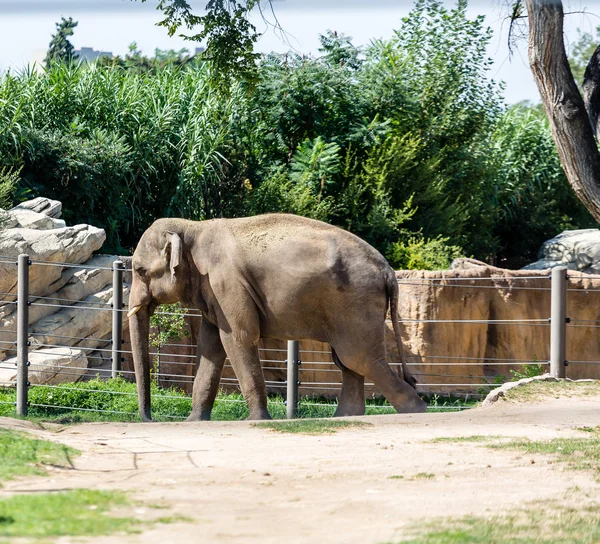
(488,278)
(583,290)
(496,287)
(91,339)
(83,409)
(74,301)
(485,321)
(108,391)
(81,266)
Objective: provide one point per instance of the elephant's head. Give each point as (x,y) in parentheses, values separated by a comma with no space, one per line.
(159,277)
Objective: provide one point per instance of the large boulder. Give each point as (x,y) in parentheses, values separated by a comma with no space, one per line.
(49,366)
(50,208)
(66,245)
(28,219)
(575,249)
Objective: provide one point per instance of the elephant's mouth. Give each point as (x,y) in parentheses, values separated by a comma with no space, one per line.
(134,310)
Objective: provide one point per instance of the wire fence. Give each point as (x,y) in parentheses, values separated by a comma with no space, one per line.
(316,374)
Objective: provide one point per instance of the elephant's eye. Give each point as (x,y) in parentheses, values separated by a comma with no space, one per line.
(140,271)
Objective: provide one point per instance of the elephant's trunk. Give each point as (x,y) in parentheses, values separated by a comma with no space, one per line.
(139,327)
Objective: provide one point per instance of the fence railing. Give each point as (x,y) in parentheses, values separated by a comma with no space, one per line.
(291,362)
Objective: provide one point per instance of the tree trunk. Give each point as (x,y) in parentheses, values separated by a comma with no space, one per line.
(564,106)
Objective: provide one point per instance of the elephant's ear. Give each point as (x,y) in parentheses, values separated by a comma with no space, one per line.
(175,249)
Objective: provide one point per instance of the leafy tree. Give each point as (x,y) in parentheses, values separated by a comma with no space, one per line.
(581,52)
(60,48)
(225,27)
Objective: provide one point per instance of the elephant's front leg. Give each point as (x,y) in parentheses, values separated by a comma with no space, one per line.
(244,358)
(211,357)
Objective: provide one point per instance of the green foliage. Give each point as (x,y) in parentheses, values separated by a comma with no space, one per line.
(78,512)
(405,142)
(528,370)
(22,455)
(60,48)
(418,253)
(581,52)
(531,196)
(9,179)
(225,27)
(169,322)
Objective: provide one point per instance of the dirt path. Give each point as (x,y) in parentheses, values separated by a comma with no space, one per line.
(242,484)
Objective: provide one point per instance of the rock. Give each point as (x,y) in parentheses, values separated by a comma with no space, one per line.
(500,392)
(51,208)
(575,249)
(29,219)
(7,220)
(66,245)
(50,366)
(90,319)
(74,284)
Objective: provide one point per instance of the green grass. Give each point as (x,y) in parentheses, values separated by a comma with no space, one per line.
(79,512)
(541,391)
(475,438)
(311,426)
(579,453)
(20,455)
(423,476)
(118,400)
(550,522)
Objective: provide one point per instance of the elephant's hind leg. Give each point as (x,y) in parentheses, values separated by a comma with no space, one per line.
(366,356)
(352,395)
(211,357)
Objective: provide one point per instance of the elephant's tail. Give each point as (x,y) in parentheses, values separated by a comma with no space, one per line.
(392,293)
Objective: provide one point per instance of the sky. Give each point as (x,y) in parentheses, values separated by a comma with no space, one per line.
(111,25)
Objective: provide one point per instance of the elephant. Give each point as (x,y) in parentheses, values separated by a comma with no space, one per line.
(273,276)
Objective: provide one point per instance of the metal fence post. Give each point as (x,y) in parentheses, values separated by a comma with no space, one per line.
(117,318)
(23,264)
(558,323)
(293,362)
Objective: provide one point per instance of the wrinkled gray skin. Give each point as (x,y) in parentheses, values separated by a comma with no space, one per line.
(271,276)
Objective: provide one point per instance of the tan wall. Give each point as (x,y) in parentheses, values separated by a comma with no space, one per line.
(475,350)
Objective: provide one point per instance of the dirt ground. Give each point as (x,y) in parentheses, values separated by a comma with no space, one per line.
(243,484)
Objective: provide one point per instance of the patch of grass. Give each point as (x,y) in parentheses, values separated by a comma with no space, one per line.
(541,390)
(80,512)
(21,455)
(397,477)
(578,453)
(474,438)
(116,400)
(550,522)
(313,426)
(423,476)
(174,519)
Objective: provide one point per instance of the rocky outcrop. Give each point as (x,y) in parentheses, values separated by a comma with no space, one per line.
(70,314)
(575,249)
(49,366)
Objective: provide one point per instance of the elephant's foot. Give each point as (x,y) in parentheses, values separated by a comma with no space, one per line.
(414,406)
(258,414)
(199,415)
(344,410)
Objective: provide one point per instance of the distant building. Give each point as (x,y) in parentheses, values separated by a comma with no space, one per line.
(88,54)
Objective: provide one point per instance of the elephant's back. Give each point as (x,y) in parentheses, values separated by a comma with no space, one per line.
(291,246)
